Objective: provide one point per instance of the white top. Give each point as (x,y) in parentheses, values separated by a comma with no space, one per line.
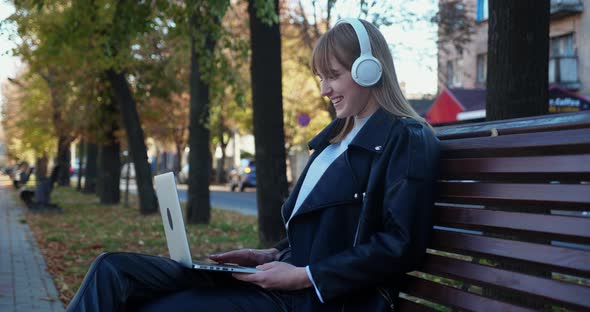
(323,161)
(317,170)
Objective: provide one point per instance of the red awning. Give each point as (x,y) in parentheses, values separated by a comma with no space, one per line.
(444,109)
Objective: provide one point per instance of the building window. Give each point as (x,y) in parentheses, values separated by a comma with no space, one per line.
(563,62)
(482,67)
(482,10)
(453,74)
(449,73)
(562,45)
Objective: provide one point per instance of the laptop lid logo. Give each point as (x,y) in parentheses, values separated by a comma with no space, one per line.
(170,219)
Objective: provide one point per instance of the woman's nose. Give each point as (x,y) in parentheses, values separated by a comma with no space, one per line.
(326,89)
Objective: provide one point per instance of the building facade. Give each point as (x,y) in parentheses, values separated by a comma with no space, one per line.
(569,54)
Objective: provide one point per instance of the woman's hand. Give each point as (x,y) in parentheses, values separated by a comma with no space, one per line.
(246,257)
(277,275)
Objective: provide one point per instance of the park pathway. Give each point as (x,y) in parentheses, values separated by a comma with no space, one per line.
(25,285)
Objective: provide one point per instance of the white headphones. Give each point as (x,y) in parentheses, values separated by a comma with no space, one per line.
(366,69)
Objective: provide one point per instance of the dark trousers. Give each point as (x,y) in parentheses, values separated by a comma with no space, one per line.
(136,282)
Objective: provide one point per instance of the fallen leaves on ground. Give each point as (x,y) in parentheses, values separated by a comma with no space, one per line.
(71,240)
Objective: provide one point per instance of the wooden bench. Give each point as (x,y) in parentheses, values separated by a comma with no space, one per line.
(512,225)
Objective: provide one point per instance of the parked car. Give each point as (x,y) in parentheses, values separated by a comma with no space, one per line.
(75,169)
(243,176)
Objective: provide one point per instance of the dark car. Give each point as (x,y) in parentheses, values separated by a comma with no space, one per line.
(243,176)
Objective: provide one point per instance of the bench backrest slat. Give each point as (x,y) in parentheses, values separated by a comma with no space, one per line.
(510,168)
(567,226)
(558,258)
(523,144)
(569,294)
(557,196)
(457,297)
(406,305)
(554,122)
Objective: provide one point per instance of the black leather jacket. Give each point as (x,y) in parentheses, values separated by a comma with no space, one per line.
(362,228)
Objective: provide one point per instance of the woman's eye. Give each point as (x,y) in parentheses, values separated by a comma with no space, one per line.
(330,77)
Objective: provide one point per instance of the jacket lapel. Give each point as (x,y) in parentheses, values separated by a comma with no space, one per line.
(317,144)
(344,185)
(375,132)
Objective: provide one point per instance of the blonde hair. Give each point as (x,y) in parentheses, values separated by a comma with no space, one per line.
(341,43)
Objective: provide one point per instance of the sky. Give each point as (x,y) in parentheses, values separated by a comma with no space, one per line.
(9,65)
(414,49)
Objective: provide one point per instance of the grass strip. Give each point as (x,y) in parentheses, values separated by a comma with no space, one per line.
(70,240)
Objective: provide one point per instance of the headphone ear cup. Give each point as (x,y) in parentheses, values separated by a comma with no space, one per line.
(366,70)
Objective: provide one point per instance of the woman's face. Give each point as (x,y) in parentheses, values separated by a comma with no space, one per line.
(348,98)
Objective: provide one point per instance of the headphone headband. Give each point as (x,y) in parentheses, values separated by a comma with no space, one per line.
(361,34)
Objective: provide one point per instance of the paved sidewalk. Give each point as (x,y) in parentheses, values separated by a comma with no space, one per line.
(25,285)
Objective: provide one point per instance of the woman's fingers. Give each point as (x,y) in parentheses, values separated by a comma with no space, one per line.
(246,257)
(261,256)
(245,277)
(233,256)
(277,275)
(266,266)
(261,278)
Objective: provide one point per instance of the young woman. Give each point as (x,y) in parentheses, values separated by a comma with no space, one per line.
(357,220)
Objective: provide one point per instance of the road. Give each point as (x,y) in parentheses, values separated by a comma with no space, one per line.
(221,197)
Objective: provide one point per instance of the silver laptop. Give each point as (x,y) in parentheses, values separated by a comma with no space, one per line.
(175,232)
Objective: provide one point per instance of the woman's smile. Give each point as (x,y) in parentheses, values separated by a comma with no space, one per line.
(347,97)
(335,100)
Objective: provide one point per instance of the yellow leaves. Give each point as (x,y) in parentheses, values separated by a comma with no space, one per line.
(25,117)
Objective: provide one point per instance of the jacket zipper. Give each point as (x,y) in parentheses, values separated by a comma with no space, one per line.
(358,226)
(286,228)
(387,298)
(381,291)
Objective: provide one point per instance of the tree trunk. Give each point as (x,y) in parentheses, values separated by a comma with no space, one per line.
(517,84)
(110,173)
(156,165)
(110,159)
(198,207)
(90,168)
(99,175)
(178,158)
(42,186)
(63,160)
(267,103)
(61,130)
(137,149)
(518,59)
(221,167)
